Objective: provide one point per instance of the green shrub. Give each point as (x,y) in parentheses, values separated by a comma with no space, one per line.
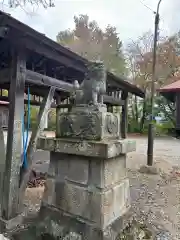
(133,126)
(164,128)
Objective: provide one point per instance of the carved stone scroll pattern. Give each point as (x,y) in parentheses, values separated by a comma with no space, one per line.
(85,128)
(112,124)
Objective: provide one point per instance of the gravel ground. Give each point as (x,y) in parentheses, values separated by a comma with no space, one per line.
(155,199)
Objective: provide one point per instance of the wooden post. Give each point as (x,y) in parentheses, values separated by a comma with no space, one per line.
(124,115)
(44,108)
(58,112)
(177,111)
(2,165)
(109,108)
(14,137)
(69,104)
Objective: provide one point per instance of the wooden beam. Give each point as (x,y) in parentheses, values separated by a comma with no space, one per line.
(113,100)
(39,79)
(14,138)
(32,102)
(44,48)
(121,83)
(49,52)
(39,37)
(44,108)
(42,80)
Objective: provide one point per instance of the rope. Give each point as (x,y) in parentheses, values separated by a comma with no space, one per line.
(25,142)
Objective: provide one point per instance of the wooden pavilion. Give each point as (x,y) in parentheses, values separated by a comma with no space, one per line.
(172,93)
(28,59)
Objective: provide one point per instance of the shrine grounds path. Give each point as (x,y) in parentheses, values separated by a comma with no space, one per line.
(165,149)
(157,198)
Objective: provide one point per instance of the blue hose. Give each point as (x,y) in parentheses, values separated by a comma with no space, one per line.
(25,142)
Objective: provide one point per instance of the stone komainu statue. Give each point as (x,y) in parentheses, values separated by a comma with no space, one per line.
(93,87)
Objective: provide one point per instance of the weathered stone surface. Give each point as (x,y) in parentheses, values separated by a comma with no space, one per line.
(87,180)
(53,165)
(89,125)
(73,199)
(2,237)
(78,170)
(49,192)
(91,91)
(114,203)
(128,146)
(85,230)
(101,149)
(114,170)
(136,231)
(10,225)
(107,172)
(71,167)
(99,207)
(100,173)
(127,198)
(45,143)
(149,170)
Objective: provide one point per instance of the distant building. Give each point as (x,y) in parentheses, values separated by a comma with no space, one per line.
(172,93)
(4,115)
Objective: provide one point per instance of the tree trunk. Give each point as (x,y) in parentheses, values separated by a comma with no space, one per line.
(143,116)
(136,109)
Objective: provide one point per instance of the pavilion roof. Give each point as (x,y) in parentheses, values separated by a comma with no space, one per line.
(169,91)
(173,87)
(41,48)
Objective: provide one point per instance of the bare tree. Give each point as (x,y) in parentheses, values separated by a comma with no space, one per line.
(23,3)
(140,65)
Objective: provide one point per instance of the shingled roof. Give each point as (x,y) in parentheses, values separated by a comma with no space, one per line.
(173,87)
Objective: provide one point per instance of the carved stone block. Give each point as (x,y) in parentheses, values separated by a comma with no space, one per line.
(89,125)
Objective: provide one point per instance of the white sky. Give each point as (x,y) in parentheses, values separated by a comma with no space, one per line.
(130,17)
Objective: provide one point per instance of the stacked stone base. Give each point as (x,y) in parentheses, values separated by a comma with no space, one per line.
(61,225)
(86,196)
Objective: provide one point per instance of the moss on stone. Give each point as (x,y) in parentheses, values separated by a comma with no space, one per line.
(135,231)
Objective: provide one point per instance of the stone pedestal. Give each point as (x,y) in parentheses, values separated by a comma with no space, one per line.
(87,189)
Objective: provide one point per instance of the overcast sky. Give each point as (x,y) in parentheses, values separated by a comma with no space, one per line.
(130,17)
